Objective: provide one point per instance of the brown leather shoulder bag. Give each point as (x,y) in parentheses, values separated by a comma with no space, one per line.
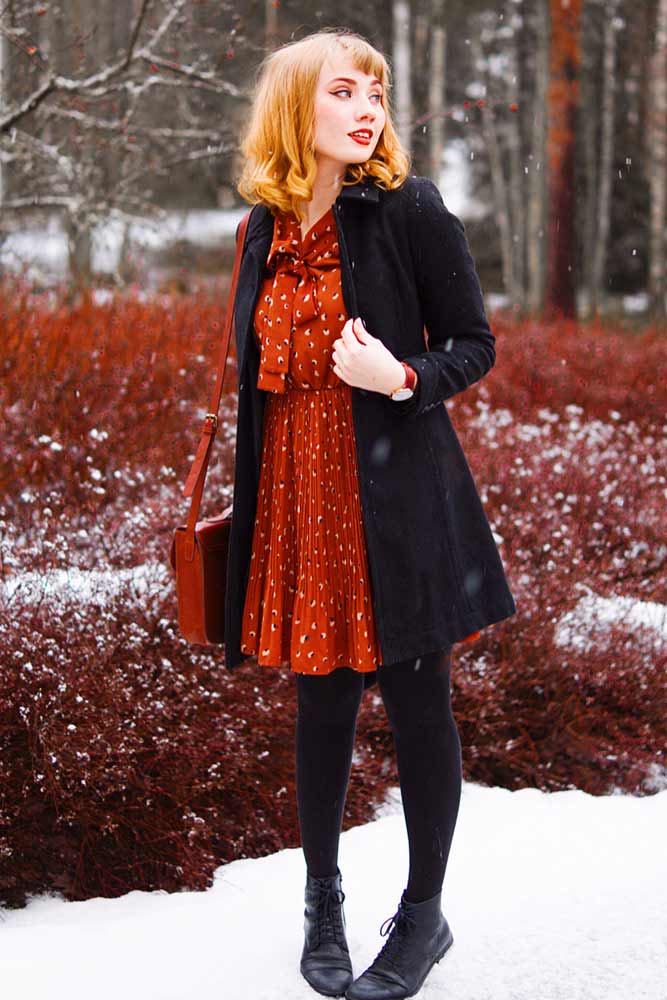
(198,553)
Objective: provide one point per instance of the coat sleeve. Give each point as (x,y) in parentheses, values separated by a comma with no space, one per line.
(461,346)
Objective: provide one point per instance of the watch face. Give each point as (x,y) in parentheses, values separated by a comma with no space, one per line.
(402,394)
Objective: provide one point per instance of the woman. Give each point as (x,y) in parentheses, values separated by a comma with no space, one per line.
(359,551)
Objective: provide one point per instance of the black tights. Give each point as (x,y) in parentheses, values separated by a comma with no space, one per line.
(416,698)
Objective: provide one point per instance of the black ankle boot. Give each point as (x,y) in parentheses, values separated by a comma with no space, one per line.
(420,936)
(325,959)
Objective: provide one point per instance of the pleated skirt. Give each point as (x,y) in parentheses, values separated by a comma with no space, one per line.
(308,601)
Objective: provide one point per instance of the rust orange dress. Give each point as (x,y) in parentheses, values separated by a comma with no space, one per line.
(308,602)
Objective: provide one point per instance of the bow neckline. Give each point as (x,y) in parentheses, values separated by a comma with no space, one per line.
(289,241)
(297,266)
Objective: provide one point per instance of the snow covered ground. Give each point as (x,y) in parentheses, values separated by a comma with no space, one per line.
(559,896)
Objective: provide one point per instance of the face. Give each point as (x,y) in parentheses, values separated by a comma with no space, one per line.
(346,101)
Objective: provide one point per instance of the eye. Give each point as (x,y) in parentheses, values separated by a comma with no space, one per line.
(346,90)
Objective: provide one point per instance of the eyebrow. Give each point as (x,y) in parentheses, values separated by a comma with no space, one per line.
(346,79)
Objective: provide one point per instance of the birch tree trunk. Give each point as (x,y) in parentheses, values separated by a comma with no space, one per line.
(657,124)
(537,174)
(590,103)
(72,21)
(402,73)
(516,175)
(436,91)
(601,245)
(498,183)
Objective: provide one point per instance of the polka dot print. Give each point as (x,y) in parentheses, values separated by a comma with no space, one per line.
(308,602)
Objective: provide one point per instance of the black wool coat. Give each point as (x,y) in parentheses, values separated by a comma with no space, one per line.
(436,572)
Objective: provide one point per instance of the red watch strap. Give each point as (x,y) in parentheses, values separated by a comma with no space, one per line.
(410,377)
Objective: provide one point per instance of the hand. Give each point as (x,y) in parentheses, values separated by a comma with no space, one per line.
(363,361)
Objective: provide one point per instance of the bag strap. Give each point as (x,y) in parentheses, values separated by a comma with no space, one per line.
(194,484)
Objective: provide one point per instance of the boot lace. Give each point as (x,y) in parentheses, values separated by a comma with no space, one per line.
(400,925)
(328,913)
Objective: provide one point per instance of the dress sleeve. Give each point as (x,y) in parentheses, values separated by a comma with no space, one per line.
(461,346)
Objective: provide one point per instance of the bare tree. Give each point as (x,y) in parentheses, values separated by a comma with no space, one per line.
(84,139)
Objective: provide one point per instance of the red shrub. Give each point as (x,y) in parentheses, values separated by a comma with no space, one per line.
(130,760)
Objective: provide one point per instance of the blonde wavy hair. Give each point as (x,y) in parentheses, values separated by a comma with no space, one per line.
(278,145)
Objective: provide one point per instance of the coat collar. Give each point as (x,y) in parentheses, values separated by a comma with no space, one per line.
(366,190)
(262,221)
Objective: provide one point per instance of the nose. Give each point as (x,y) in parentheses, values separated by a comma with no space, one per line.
(367,110)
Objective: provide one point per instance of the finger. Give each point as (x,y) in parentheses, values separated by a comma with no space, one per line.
(348,337)
(360,330)
(338,350)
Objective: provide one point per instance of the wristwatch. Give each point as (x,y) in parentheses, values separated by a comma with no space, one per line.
(407,389)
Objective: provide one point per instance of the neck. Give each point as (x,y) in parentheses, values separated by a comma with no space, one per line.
(329,179)
(327,186)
